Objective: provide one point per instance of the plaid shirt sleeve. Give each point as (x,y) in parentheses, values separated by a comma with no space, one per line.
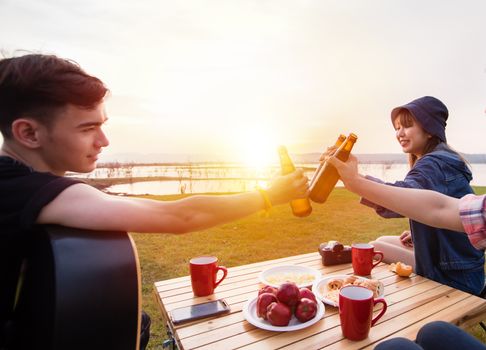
(472,209)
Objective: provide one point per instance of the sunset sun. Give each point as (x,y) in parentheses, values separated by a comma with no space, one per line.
(258,148)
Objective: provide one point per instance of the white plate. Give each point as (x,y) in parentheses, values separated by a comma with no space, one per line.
(289,270)
(249,311)
(319,288)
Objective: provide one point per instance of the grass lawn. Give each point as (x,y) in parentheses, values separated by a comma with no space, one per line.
(258,238)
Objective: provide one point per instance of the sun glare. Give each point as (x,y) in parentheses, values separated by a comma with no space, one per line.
(258,148)
(259,153)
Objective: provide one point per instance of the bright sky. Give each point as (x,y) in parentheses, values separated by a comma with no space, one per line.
(241,76)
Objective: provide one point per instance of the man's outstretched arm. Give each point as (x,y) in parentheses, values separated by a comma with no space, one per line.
(83,206)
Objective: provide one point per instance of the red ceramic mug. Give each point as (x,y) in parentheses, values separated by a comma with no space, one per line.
(362,255)
(356,311)
(204,271)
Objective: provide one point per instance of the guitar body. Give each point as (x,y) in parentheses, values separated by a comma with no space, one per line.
(82,290)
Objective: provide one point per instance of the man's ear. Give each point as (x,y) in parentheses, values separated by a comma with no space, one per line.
(26,132)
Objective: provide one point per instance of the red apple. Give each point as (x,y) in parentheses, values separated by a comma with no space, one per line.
(288,293)
(306,310)
(263,301)
(307,293)
(279,314)
(268,289)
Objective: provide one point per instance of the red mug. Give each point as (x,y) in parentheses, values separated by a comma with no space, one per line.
(204,271)
(362,255)
(356,311)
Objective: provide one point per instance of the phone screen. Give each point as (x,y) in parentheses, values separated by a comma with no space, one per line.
(194,312)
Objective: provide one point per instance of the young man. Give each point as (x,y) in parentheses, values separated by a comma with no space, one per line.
(51,118)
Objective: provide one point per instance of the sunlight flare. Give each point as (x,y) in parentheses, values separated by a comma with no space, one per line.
(258,148)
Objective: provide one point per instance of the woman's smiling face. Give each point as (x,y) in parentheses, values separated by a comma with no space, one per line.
(410,135)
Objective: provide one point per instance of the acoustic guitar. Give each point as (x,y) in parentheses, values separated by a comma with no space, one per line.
(82,290)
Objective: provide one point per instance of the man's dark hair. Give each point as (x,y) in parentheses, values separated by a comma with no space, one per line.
(39,86)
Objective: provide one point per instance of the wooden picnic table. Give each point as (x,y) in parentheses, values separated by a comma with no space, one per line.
(412,302)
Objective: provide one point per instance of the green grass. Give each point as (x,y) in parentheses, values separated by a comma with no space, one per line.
(257,238)
(480,190)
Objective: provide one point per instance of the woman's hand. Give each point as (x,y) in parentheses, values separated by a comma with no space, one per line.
(348,171)
(328,153)
(406,239)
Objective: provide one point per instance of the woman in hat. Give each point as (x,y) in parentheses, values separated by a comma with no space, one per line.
(438,254)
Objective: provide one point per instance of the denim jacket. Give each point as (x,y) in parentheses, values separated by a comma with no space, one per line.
(441,255)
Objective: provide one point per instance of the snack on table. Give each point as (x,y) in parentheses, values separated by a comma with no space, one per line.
(401,269)
(370,284)
(334,284)
(350,280)
(334,253)
(333,295)
(331,289)
(288,301)
(297,278)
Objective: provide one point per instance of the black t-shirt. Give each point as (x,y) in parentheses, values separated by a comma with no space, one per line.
(23,194)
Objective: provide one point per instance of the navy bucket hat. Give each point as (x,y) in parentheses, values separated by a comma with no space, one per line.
(430,112)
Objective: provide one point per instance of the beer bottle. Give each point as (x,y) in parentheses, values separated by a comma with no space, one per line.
(300,207)
(328,176)
(338,143)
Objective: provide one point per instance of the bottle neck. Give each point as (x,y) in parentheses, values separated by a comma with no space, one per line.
(343,152)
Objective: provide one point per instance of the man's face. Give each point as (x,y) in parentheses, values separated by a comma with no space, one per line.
(74,140)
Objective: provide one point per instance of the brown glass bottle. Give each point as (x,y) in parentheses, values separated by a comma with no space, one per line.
(338,143)
(328,176)
(300,207)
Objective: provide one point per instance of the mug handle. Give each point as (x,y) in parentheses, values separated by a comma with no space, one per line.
(379,259)
(379,301)
(225,272)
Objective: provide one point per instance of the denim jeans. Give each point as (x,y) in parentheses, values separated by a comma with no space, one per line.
(435,335)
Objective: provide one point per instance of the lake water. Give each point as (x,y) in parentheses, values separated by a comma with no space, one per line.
(232,178)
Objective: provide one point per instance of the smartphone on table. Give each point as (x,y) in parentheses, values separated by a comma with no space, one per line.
(198,311)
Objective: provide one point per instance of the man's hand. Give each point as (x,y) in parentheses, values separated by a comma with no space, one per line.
(285,188)
(406,239)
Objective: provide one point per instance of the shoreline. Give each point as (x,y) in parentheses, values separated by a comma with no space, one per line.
(103,183)
(108,182)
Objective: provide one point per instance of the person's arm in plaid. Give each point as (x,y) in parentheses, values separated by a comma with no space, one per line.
(472,210)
